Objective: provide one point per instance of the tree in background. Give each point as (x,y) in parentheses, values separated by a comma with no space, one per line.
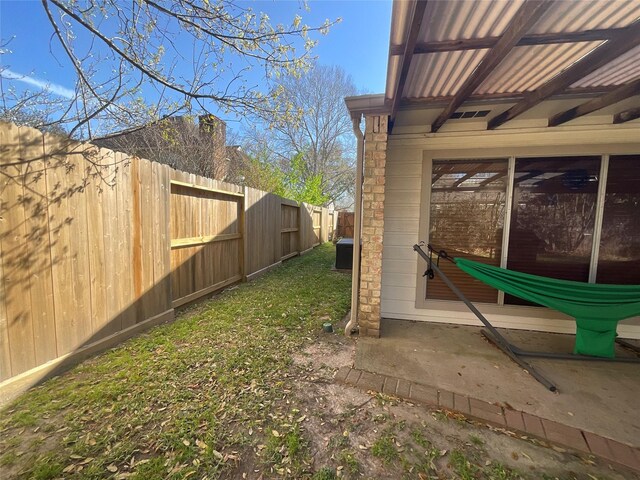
(33,109)
(294,183)
(141,61)
(315,147)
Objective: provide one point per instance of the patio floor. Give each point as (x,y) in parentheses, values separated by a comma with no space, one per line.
(593,396)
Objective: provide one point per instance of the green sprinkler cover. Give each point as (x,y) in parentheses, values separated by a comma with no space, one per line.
(597,308)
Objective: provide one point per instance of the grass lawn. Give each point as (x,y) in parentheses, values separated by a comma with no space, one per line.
(240,387)
(188,399)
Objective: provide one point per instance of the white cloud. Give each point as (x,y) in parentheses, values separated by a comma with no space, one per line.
(39,83)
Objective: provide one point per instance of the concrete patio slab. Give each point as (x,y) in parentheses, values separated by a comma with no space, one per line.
(593,397)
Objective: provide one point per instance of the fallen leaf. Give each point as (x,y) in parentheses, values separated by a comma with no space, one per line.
(201,444)
(112,468)
(217,454)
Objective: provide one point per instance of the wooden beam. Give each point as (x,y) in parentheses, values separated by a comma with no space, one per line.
(627,39)
(514,96)
(205,189)
(610,98)
(627,115)
(492,179)
(412,37)
(528,176)
(526,16)
(463,178)
(441,171)
(203,240)
(490,42)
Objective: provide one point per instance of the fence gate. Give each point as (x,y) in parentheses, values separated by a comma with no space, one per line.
(207,251)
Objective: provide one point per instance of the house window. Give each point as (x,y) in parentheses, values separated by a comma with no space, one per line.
(467,219)
(553,217)
(619,252)
(573,218)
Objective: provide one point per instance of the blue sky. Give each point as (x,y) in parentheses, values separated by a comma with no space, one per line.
(359,43)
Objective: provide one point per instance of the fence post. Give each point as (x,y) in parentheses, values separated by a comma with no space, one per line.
(299,228)
(242,226)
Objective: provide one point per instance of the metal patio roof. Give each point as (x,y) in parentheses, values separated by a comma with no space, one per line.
(452,51)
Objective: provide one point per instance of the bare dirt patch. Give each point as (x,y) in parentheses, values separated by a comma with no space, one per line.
(358,434)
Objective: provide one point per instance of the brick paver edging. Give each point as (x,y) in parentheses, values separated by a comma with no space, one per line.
(523,422)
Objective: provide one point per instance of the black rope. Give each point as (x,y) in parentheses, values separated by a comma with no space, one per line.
(439,254)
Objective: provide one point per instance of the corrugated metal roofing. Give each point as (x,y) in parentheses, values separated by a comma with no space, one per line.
(582,15)
(621,70)
(526,67)
(465,19)
(448,70)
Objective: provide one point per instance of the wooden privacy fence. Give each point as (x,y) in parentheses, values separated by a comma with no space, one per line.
(95,246)
(345,227)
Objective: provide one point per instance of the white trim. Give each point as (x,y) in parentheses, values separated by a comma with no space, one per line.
(506,227)
(597,224)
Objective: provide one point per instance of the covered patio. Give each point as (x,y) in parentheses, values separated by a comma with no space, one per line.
(454,367)
(508,134)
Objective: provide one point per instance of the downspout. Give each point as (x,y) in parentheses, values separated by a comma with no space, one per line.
(357,226)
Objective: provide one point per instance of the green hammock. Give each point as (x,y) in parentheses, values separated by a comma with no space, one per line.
(597,308)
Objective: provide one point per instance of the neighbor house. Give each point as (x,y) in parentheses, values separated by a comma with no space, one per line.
(509,134)
(181,142)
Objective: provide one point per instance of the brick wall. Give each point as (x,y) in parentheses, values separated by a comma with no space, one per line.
(375,156)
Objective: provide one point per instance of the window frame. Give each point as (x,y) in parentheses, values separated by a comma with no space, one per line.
(603,151)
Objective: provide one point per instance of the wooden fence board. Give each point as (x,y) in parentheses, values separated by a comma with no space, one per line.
(110,239)
(94,242)
(79,242)
(124,189)
(37,223)
(5,346)
(16,255)
(96,246)
(149,299)
(71,279)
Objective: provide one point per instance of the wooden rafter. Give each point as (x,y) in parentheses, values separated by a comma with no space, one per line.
(441,171)
(620,93)
(579,91)
(493,178)
(624,41)
(490,42)
(627,115)
(526,16)
(464,178)
(534,174)
(412,37)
